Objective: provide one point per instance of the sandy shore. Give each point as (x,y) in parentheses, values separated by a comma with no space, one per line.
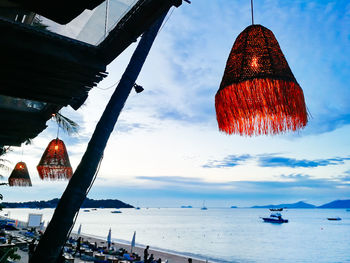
(172,258)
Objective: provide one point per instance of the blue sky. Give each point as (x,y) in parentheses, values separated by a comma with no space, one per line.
(166,149)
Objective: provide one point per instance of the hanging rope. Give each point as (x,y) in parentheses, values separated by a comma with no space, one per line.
(106,18)
(116,83)
(251,7)
(113,85)
(166,20)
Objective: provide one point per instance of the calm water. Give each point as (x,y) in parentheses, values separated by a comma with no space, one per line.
(223,235)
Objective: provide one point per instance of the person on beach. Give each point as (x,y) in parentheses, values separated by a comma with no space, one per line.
(151,258)
(145,254)
(78,249)
(190,260)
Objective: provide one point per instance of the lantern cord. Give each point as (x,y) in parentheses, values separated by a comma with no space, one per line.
(77,213)
(252,9)
(166,20)
(109,86)
(106,17)
(113,85)
(58,129)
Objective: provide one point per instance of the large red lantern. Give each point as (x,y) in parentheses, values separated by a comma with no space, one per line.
(54,163)
(258,93)
(20,175)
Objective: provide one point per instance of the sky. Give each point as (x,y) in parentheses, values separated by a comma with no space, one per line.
(166,149)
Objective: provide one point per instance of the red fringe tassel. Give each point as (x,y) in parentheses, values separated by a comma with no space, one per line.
(20,182)
(261,106)
(55,172)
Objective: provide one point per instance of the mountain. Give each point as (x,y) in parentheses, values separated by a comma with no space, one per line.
(336,204)
(88,203)
(299,204)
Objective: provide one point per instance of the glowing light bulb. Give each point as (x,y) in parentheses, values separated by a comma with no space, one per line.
(254,63)
(56,147)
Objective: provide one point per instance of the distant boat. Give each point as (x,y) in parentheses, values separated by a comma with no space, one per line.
(86,210)
(186,206)
(116,212)
(94,209)
(233,206)
(276,209)
(137,208)
(334,218)
(275,218)
(204,207)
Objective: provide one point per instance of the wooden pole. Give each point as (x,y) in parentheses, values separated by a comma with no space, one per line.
(54,238)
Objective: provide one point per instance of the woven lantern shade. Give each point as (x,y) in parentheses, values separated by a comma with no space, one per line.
(20,176)
(258,93)
(54,163)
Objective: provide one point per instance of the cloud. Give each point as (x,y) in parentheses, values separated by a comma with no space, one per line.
(276,161)
(281,182)
(180,181)
(271,160)
(124,126)
(228,161)
(290,187)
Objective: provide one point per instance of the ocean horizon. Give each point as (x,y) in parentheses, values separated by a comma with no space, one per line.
(220,234)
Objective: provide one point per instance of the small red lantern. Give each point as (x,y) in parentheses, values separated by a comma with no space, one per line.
(54,163)
(258,93)
(20,176)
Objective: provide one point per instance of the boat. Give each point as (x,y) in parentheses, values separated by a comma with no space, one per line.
(86,210)
(204,207)
(116,212)
(275,218)
(276,209)
(137,208)
(334,218)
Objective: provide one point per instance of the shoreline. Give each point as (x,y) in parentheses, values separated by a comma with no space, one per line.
(171,256)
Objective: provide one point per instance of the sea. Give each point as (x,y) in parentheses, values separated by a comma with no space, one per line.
(221,234)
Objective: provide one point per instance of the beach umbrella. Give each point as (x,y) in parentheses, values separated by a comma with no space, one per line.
(42,225)
(109,237)
(258,93)
(79,230)
(54,164)
(20,176)
(133,241)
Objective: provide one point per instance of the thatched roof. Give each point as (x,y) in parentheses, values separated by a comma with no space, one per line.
(45,67)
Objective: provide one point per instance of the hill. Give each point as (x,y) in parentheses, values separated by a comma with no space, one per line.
(337,204)
(299,204)
(88,203)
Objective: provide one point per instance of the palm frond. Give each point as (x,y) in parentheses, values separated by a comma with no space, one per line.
(4,150)
(28,141)
(66,124)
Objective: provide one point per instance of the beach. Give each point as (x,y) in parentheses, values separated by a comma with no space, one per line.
(172,258)
(165,256)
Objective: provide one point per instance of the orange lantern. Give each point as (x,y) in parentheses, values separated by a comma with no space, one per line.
(20,175)
(258,93)
(54,163)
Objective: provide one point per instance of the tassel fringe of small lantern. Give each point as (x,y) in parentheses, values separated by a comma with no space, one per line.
(20,182)
(261,106)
